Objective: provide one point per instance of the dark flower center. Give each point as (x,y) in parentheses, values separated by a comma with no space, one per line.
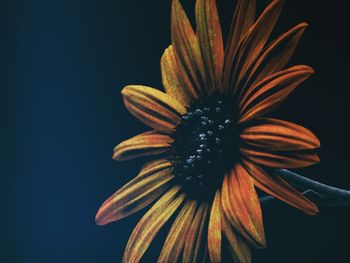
(205,144)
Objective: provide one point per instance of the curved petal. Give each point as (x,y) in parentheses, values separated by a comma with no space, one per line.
(271,92)
(186,48)
(195,241)
(144,144)
(281,160)
(277,135)
(152,181)
(274,185)
(243,18)
(214,230)
(253,42)
(238,247)
(174,78)
(175,240)
(210,40)
(276,55)
(153,107)
(150,224)
(242,207)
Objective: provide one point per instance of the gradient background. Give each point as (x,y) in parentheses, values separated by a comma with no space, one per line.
(63,64)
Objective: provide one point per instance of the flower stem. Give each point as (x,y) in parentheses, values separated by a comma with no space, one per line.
(319,193)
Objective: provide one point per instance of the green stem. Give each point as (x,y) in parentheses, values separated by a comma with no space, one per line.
(319,193)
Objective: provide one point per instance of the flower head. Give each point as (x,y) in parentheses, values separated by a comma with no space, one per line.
(210,142)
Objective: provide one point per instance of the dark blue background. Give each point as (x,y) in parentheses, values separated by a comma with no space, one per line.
(63,64)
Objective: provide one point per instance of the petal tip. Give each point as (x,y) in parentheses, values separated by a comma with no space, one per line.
(303,25)
(116,155)
(277,4)
(175,5)
(317,159)
(307,69)
(260,241)
(314,210)
(317,142)
(311,70)
(105,213)
(99,218)
(124,90)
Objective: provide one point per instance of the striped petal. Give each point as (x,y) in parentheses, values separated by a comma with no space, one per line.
(214,230)
(150,225)
(274,185)
(276,55)
(210,40)
(238,247)
(243,18)
(144,144)
(195,241)
(242,207)
(281,160)
(152,181)
(277,135)
(253,42)
(153,107)
(186,48)
(175,79)
(271,92)
(175,240)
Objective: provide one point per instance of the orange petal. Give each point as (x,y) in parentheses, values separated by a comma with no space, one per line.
(242,206)
(214,230)
(210,40)
(153,107)
(276,55)
(186,47)
(281,160)
(272,91)
(238,247)
(175,240)
(150,224)
(276,135)
(242,20)
(144,144)
(274,185)
(254,41)
(195,242)
(152,181)
(173,78)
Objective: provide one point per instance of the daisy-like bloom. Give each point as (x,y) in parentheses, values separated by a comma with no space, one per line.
(210,143)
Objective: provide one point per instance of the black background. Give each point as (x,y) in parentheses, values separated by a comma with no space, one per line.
(63,64)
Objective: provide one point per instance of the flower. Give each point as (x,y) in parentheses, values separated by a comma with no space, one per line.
(210,143)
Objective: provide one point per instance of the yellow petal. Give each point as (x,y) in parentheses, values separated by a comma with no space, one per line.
(238,247)
(152,181)
(173,80)
(276,55)
(277,135)
(175,240)
(242,206)
(271,92)
(282,159)
(150,224)
(253,43)
(154,108)
(274,185)
(144,144)
(187,49)
(195,241)
(210,40)
(243,18)
(214,230)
